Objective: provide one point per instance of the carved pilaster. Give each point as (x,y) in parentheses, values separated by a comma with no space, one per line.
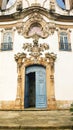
(18,96)
(19,59)
(52,102)
(19,80)
(51,97)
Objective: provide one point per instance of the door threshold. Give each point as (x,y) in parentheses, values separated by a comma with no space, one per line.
(35,109)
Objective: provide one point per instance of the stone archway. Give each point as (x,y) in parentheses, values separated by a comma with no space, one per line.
(35,58)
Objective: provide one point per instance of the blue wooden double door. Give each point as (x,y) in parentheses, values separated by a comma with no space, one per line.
(35,87)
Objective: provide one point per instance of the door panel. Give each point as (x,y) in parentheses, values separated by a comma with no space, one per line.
(39,84)
(40,89)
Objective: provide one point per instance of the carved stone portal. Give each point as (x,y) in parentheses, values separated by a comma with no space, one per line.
(36,56)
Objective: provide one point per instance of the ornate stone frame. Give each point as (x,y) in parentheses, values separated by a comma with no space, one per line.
(47,28)
(48,62)
(66,30)
(5,30)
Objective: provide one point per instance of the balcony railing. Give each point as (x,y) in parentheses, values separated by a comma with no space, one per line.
(7,46)
(65,46)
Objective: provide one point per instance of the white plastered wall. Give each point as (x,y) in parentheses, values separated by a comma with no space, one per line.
(63,68)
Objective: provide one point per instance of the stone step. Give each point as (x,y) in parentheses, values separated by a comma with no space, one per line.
(36,120)
(37,128)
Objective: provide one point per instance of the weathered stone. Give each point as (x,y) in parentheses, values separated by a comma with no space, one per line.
(36,120)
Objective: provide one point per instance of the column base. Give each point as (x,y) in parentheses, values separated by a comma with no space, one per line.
(52,104)
(18,103)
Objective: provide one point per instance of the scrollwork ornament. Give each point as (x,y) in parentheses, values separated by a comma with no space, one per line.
(51,57)
(35,20)
(19,58)
(35,49)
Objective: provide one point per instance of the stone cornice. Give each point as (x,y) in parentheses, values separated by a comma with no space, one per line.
(12,25)
(24,13)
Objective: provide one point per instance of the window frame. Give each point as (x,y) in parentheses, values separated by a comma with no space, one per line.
(64,35)
(5,45)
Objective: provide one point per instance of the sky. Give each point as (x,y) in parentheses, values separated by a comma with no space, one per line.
(61,4)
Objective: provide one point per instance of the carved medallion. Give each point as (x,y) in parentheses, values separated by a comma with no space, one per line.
(36,25)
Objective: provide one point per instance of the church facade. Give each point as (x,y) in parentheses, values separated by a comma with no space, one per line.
(36,54)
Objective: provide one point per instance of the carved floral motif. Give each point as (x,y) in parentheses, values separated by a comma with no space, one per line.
(35,56)
(35,53)
(35,49)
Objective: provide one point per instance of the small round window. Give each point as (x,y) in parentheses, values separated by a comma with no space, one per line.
(61,4)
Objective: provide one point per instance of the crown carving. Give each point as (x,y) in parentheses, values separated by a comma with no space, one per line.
(35,53)
(35,49)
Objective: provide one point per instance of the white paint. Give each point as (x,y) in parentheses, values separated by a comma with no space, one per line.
(63,65)
(63,69)
(67,3)
(42,3)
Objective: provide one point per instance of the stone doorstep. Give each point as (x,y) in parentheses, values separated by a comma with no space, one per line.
(12,120)
(36,128)
(30,109)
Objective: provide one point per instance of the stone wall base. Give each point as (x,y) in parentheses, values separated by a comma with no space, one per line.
(53,105)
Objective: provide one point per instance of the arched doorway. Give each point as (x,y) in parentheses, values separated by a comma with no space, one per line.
(35,87)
